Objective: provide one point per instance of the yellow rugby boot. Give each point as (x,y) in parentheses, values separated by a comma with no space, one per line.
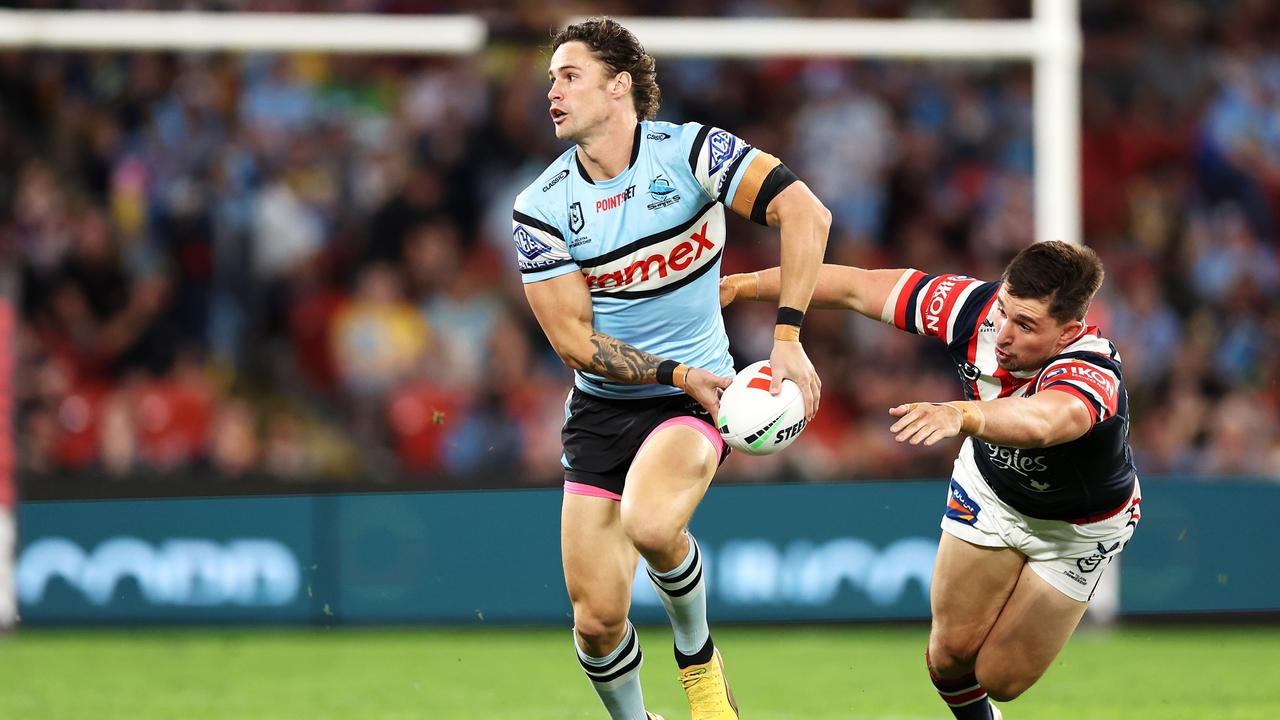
(708,691)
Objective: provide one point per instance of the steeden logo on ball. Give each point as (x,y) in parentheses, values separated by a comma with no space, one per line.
(755,422)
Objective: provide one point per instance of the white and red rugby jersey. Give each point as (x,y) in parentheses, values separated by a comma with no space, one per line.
(1080,480)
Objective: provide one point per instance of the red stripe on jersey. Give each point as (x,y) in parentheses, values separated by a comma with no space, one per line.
(1086,375)
(1084,398)
(904,296)
(1009,383)
(952,288)
(973,343)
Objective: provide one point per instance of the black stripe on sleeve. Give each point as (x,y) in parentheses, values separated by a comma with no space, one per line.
(778,179)
(1088,396)
(910,319)
(697,147)
(548,266)
(535,223)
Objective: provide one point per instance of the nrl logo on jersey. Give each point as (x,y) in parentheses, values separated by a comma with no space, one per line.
(576,221)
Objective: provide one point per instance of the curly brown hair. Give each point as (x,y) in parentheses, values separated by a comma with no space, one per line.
(620,51)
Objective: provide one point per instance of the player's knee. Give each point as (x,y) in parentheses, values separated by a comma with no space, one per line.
(1003,687)
(651,534)
(1001,681)
(951,654)
(599,628)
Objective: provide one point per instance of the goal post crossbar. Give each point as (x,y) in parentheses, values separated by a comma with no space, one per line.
(1049,39)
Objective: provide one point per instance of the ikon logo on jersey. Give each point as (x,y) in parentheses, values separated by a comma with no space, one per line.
(659,265)
(938,308)
(1094,378)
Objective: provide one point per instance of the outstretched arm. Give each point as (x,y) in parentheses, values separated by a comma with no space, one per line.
(562,306)
(1047,418)
(838,286)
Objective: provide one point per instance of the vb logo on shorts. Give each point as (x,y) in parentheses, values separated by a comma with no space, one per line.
(960,506)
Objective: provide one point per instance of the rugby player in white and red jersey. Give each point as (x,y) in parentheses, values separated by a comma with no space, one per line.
(1044,494)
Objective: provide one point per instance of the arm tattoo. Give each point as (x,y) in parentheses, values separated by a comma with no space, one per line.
(621,362)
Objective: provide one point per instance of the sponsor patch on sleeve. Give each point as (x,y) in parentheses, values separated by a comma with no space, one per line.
(1098,387)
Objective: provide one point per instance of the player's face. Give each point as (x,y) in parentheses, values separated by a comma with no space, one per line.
(1027,334)
(578,95)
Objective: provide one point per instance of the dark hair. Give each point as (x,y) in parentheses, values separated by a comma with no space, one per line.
(620,51)
(1066,276)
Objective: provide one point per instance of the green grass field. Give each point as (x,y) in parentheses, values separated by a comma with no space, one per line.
(814,673)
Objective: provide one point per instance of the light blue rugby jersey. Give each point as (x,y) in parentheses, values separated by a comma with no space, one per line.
(648,243)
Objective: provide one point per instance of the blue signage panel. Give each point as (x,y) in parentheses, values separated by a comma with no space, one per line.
(189,560)
(771,553)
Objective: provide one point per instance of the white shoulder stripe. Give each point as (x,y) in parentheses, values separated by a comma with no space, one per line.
(891,303)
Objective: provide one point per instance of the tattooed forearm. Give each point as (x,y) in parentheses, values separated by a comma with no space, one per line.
(619,361)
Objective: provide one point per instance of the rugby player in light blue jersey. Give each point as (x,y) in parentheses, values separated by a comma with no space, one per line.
(619,244)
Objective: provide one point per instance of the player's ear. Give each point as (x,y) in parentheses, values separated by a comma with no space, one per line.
(1070,331)
(621,84)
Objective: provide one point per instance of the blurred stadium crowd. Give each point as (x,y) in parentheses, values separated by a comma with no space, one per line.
(300,267)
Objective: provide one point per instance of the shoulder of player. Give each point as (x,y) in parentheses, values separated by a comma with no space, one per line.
(1087,357)
(554,177)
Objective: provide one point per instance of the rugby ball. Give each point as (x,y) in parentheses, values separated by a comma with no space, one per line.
(753,421)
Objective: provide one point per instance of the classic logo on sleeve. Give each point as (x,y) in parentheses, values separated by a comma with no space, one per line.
(553,181)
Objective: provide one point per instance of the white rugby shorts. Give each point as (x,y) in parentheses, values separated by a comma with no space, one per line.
(1068,556)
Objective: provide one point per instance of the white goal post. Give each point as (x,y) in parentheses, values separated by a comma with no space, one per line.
(1050,40)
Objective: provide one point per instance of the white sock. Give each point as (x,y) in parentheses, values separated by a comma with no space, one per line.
(616,677)
(683,593)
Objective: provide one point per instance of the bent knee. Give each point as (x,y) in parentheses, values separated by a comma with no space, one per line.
(599,626)
(950,654)
(650,534)
(1001,683)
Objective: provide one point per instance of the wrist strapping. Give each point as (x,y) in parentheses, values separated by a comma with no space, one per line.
(972,420)
(672,373)
(788,324)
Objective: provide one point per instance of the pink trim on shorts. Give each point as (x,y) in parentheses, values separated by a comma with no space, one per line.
(711,434)
(574,488)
